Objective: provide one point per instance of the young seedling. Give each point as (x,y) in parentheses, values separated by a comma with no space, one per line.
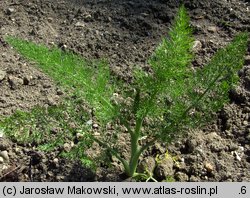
(161,104)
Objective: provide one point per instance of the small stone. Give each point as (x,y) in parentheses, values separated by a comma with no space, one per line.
(72,125)
(181,177)
(67,147)
(144,14)
(212,136)
(237,157)
(212,29)
(247,60)
(46,85)
(2,75)
(36,157)
(15,82)
(180,166)
(97,134)
(159,147)
(191,145)
(165,168)
(114,160)
(193,179)
(233,147)
(64,47)
(60,177)
(79,136)
(1,129)
(59,92)
(80,24)
(4,145)
(5,167)
(147,165)
(131,3)
(197,46)
(17,150)
(50,173)
(4,155)
(245,122)
(109,19)
(26,176)
(241,148)
(4,55)
(248,136)
(95,126)
(49,19)
(198,28)
(87,17)
(27,79)
(56,160)
(209,167)
(51,101)
(1,160)
(9,11)
(89,122)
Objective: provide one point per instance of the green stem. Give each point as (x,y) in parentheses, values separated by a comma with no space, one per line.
(135,156)
(135,148)
(134,136)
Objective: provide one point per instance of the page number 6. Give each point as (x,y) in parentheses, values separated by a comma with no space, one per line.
(243,190)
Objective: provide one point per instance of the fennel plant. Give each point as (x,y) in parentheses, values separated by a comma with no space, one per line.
(161,104)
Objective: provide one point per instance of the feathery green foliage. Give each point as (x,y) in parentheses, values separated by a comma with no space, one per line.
(90,80)
(51,127)
(165,102)
(171,73)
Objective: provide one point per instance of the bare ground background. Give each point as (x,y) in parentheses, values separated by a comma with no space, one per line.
(125,33)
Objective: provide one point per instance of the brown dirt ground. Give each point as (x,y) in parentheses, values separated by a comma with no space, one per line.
(125,33)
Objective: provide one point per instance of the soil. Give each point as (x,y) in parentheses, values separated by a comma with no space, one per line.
(125,33)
